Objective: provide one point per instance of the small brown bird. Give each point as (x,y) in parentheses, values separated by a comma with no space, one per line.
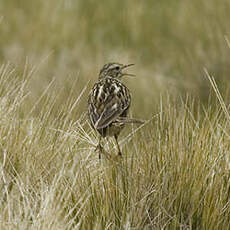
(109,102)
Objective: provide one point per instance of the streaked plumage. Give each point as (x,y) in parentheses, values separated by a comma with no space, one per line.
(109,102)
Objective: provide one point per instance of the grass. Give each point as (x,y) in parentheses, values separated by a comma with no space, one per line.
(175,169)
(174,173)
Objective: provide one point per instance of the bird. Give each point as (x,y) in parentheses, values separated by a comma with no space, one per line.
(109,102)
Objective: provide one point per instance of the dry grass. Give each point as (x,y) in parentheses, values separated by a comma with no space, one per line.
(175,170)
(174,173)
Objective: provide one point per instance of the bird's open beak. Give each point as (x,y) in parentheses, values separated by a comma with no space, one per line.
(125,66)
(127,74)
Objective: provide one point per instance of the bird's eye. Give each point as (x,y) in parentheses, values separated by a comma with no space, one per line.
(117,68)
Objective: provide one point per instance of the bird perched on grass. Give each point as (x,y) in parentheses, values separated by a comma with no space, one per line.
(109,102)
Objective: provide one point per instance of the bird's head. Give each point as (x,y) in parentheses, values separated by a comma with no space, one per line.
(114,70)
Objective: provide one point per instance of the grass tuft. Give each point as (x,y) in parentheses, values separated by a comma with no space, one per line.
(174,172)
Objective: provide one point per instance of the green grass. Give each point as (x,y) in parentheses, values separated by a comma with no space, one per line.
(175,169)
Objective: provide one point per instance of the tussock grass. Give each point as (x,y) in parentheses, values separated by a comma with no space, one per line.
(174,173)
(175,170)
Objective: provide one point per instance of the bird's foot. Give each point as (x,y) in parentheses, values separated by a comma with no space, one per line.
(99,149)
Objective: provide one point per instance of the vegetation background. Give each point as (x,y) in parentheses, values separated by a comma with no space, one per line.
(175,170)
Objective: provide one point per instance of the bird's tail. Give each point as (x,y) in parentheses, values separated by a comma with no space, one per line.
(126,120)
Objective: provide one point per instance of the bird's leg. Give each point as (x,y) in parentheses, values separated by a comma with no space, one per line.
(99,147)
(101,150)
(118,147)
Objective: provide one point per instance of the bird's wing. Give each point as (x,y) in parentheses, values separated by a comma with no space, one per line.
(107,103)
(111,111)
